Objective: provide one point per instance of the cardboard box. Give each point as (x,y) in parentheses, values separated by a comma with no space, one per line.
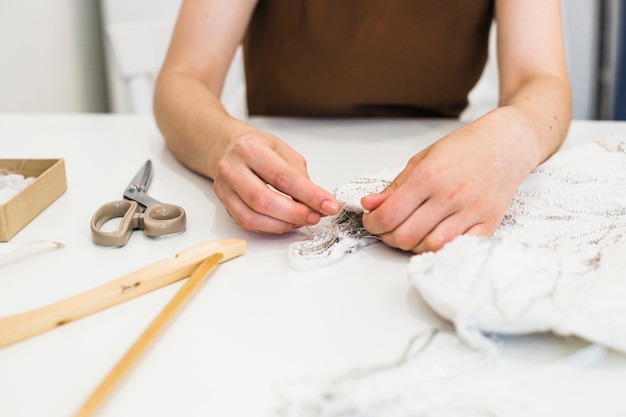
(50,182)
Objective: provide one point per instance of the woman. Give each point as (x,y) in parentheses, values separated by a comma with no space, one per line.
(367,58)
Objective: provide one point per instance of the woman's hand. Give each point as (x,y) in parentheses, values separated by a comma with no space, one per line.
(461,184)
(464,183)
(265,187)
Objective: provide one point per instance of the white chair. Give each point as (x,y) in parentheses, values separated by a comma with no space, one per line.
(137,34)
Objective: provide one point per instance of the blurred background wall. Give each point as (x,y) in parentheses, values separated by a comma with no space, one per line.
(51,56)
(103,55)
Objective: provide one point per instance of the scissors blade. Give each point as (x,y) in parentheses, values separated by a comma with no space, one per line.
(136,190)
(141,182)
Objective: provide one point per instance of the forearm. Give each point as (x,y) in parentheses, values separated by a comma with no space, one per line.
(532,70)
(544,103)
(195,125)
(464,182)
(532,121)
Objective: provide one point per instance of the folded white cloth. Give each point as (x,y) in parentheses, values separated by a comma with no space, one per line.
(557,261)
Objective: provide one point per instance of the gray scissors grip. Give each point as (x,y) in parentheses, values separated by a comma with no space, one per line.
(125,209)
(163,219)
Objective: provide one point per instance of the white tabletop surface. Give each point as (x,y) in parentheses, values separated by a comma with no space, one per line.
(257,324)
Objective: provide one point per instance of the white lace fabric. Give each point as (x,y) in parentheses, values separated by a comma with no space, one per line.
(440,374)
(556,263)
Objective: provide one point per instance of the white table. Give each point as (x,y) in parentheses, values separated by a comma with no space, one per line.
(257,323)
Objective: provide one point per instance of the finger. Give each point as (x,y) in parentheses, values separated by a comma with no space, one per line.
(462,223)
(290,181)
(265,200)
(252,220)
(444,232)
(416,227)
(235,177)
(481,229)
(399,203)
(261,200)
(373,201)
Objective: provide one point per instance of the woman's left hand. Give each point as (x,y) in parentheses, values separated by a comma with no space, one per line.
(461,184)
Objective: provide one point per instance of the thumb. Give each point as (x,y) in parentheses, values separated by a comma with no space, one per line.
(373,201)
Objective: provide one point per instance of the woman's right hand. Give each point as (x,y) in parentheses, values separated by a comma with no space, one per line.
(265,187)
(262,182)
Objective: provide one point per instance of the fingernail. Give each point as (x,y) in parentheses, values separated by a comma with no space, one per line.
(330,207)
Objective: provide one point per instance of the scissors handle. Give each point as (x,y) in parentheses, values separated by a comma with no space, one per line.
(163,219)
(158,220)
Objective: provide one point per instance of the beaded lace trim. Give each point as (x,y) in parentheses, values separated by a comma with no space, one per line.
(343,233)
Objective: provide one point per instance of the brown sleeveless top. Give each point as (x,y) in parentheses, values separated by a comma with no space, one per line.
(365,57)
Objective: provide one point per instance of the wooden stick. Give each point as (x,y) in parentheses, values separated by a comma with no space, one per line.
(151,332)
(159,274)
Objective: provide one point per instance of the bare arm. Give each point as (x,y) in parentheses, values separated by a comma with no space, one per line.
(187,106)
(463,183)
(532,67)
(241,160)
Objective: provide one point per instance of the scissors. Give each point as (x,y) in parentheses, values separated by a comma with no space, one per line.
(137,211)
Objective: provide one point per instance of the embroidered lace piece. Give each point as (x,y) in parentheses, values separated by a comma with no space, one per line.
(343,233)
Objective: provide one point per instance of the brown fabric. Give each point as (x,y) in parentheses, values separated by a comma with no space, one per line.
(365,57)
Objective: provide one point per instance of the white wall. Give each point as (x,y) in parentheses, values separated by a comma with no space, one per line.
(581,26)
(52,59)
(51,56)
